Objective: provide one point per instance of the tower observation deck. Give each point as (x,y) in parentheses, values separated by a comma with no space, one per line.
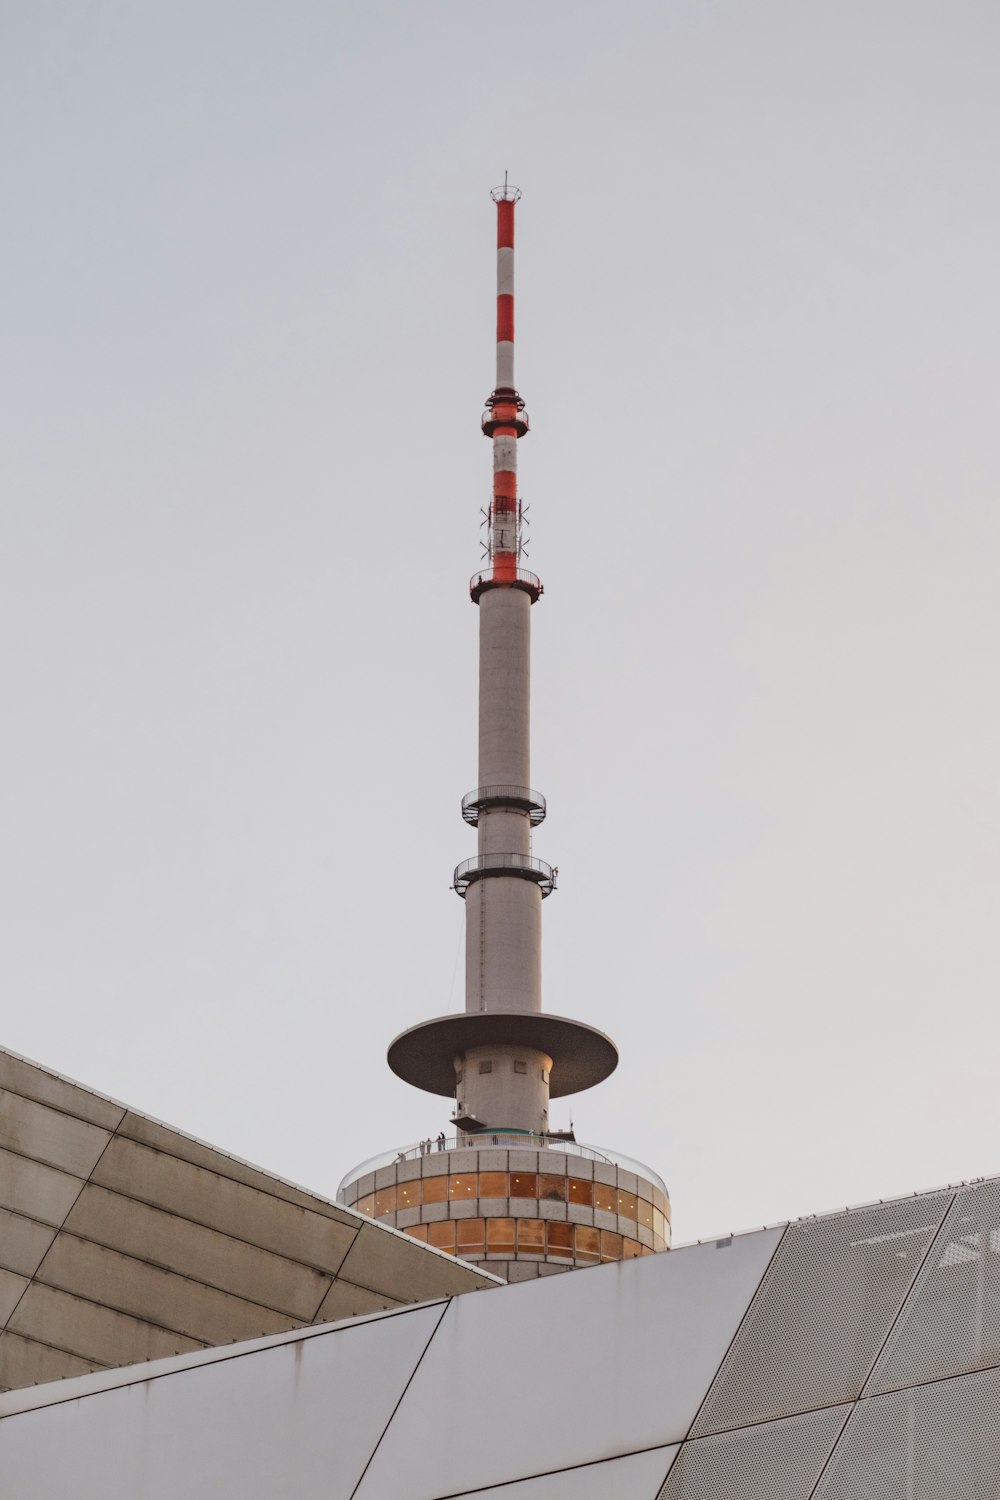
(501,1185)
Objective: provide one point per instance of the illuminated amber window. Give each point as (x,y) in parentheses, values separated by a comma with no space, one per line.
(434,1189)
(605,1197)
(630,1249)
(581,1191)
(659,1224)
(645,1213)
(500,1236)
(553,1188)
(627,1206)
(442,1235)
(493,1184)
(417,1232)
(523,1185)
(366,1205)
(471,1236)
(385,1202)
(530,1237)
(463,1185)
(407,1194)
(611,1245)
(561,1240)
(588,1243)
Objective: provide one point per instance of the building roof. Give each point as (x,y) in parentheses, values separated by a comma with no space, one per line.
(122,1239)
(850,1357)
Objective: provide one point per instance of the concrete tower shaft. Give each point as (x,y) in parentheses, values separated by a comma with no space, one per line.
(504,1057)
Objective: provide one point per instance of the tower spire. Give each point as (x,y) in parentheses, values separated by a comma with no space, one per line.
(503,1058)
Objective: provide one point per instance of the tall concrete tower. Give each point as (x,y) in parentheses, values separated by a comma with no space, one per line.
(501,1186)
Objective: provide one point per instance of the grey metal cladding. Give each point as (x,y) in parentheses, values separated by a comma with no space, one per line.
(632,1477)
(777,1461)
(936,1442)
(822,1313)
(951,1319)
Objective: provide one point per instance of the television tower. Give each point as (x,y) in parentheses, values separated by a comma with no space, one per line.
(503,1186)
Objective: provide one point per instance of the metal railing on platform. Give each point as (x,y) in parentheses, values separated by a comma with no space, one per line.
(519,578)
(520,797)
(523,866)
(510,1140)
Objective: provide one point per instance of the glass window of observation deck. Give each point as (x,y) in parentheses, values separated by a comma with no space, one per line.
(523,1185)
(442,1235)
(385,1201)
(611,1245)
(628,1205)
(471,1236)
(493,1184)
(551,1188)
(435,1189)
(530,1237)
(588,1243)
(581,1191)
(500,1236)
(605,1197)
(463,1185)
(561,1240)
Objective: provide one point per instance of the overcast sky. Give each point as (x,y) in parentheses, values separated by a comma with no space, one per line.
(247,273)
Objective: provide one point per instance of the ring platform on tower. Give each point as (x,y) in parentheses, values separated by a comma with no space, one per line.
(425,1055)
(516,578)
(521,866)
(517,798)
(505,409)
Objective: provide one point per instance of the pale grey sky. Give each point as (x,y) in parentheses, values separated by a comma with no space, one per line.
(247,280)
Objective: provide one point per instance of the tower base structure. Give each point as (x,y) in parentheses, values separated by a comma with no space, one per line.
(524,1205)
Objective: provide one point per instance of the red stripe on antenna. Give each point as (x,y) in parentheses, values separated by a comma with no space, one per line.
(505,318)
(505,224)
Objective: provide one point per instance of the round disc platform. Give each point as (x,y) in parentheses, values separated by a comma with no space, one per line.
(581,1055)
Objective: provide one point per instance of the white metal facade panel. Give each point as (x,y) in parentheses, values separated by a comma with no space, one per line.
(637,1476)
(297,1418)
(568,1369)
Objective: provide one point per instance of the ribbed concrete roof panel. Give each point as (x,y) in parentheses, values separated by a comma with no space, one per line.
(124,1240)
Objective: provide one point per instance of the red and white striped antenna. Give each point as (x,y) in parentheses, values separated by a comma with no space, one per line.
(505,419)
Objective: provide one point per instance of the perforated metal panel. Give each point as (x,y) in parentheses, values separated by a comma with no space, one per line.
(822,1312)
(778,1461)
(937,1442)
(951,1320)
